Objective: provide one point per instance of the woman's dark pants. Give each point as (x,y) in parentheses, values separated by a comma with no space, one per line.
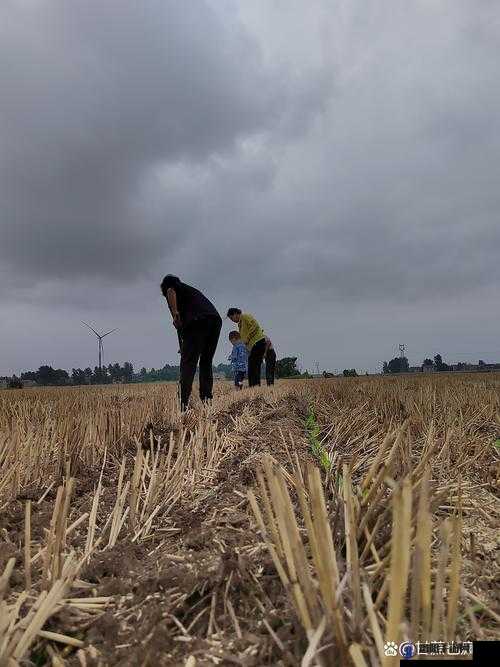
(199,342)
(255,359)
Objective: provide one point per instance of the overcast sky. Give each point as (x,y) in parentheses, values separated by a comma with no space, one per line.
(331,166)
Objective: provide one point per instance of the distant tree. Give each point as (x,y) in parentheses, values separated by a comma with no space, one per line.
(398,365)
(439,363)
(428,362)
(128,371)
(46,375)
(385,367)
(96,375)
(15,383)
(350,373)
(481,363)
(78,376)
(287,367)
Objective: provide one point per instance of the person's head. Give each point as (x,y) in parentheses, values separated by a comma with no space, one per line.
(167,282)
(234,337)
(234,314)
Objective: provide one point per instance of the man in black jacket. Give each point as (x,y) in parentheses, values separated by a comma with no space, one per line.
(198,325)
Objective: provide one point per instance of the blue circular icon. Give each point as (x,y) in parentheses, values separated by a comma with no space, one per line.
(407,650)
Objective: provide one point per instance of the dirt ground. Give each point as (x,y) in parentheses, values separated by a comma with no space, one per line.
(202,585)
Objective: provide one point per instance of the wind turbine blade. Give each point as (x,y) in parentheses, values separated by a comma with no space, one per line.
(107,334)
(88,325)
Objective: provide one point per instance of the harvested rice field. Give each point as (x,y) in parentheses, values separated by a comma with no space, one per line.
(307,524)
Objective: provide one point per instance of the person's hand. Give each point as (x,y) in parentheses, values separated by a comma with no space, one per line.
(176,320)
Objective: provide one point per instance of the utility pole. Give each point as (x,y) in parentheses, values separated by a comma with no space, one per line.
(402,349)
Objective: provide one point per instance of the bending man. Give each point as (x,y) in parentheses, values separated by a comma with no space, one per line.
(253,336)
(198,325)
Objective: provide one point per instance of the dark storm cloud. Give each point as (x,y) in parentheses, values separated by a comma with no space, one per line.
(284,156)
(94,94)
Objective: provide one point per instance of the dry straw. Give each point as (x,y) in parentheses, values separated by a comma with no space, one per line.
(372,551)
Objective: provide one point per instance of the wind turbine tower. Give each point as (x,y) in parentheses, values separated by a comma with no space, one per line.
(99,341)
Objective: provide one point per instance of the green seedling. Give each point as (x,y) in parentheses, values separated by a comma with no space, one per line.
(317,448)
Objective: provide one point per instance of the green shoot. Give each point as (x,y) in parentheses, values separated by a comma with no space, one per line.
(317,448)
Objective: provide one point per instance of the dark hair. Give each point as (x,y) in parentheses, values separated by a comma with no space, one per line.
(234,334)
(169,281)
(233,311)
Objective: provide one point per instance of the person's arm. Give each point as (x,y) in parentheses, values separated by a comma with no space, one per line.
(244,328)
(172,304)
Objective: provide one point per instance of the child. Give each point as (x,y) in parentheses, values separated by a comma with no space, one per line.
(238,358)
(254,338)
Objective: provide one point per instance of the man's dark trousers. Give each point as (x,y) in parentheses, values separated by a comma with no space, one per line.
(199,342)
(270,366)
(255,359)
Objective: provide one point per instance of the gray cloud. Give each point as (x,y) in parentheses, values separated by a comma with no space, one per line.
(95,94)
(295,160)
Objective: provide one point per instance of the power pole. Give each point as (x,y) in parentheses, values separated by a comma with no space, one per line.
(402,349)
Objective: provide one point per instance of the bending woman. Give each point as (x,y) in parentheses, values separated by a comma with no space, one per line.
(198,325)
(254,338)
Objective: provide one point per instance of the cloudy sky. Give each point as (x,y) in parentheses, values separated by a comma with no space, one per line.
(332,166)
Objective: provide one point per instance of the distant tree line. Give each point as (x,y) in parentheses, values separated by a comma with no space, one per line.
(118,373)
(401,365)
(48,376)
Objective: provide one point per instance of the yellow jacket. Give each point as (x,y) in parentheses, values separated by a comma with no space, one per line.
(250,330)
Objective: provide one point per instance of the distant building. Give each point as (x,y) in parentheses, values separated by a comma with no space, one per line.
(491,367)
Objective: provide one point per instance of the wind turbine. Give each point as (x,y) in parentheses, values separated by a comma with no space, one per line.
(99,338)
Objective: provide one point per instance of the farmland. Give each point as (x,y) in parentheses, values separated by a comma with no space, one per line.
(304,524)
